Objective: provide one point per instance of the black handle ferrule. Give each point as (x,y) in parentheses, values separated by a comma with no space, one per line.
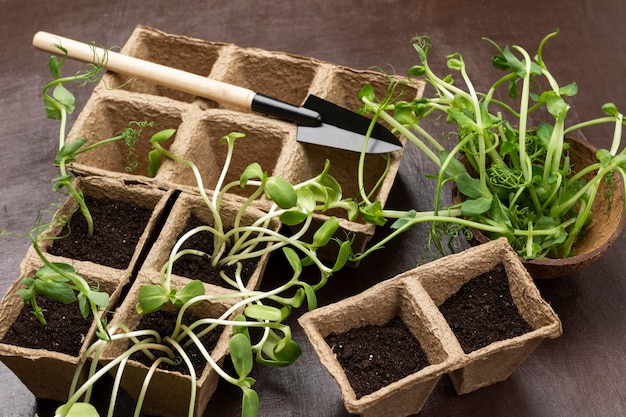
(285,111)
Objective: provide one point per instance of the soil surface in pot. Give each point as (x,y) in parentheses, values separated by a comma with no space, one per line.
(199,267)
(65,332)
(164,322)
(375,356)
(483,311)
(118,226)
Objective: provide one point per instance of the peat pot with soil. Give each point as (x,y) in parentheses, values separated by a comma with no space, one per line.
(475,315)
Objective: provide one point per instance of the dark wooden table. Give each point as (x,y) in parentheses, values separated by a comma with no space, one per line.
(579,374)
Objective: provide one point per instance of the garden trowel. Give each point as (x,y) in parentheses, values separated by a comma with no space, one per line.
(319,121)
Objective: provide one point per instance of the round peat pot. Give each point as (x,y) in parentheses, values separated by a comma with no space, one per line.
(607,221)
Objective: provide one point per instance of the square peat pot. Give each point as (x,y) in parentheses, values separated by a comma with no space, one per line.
(106,115)
(169,390)
(200,123)
(497,360)
(48,370)
(377,306)
(108,198)
(190,211)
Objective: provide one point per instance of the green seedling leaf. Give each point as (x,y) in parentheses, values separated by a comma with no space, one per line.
(368,92)
(232,137)
(77,410)
(241,354)
(249,403)
(64,97)
(345,251)
(155,159)
(407,218)
(293,259)
(421,44)
(292,217)
(462,119)
(455,62)
(83,305)
(469,186)
(263,312)
(241,329)
(557,106)
(306,200)
(311,297)
(69,149)
(569,90)
(281,192)
(497,212)
(162,135)
(25,293)
(57,289)
(404,113)
(288,351)
(610,109)
(514,64)
(373,214)
(151,298)
(416,71)
(604,157)
(53,110)
(191,290)
(46,271)
(476,207)
(54,65)
(331,185)
(252,171)
(455,167)
(325,232)
(99,298)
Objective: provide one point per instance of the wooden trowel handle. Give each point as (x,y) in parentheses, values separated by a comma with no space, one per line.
(176,79)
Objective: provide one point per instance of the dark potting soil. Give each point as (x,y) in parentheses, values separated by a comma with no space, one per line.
(65,331)
(376,356)
(118,226)
(197,267)
(483,311)
(164,323)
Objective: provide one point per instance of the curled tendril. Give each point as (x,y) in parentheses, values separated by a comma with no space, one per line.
(130,135)
(501,175)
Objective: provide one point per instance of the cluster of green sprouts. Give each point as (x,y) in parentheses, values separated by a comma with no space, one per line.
(56,280)
(265,310)
(234,243)
(516,179)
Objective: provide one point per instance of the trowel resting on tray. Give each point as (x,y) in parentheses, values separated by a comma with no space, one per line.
(319,121)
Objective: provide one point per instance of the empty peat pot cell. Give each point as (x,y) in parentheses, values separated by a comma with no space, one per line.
(265,142)
(282,76)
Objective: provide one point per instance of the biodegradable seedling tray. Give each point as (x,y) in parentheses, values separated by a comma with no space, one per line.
(200,123)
